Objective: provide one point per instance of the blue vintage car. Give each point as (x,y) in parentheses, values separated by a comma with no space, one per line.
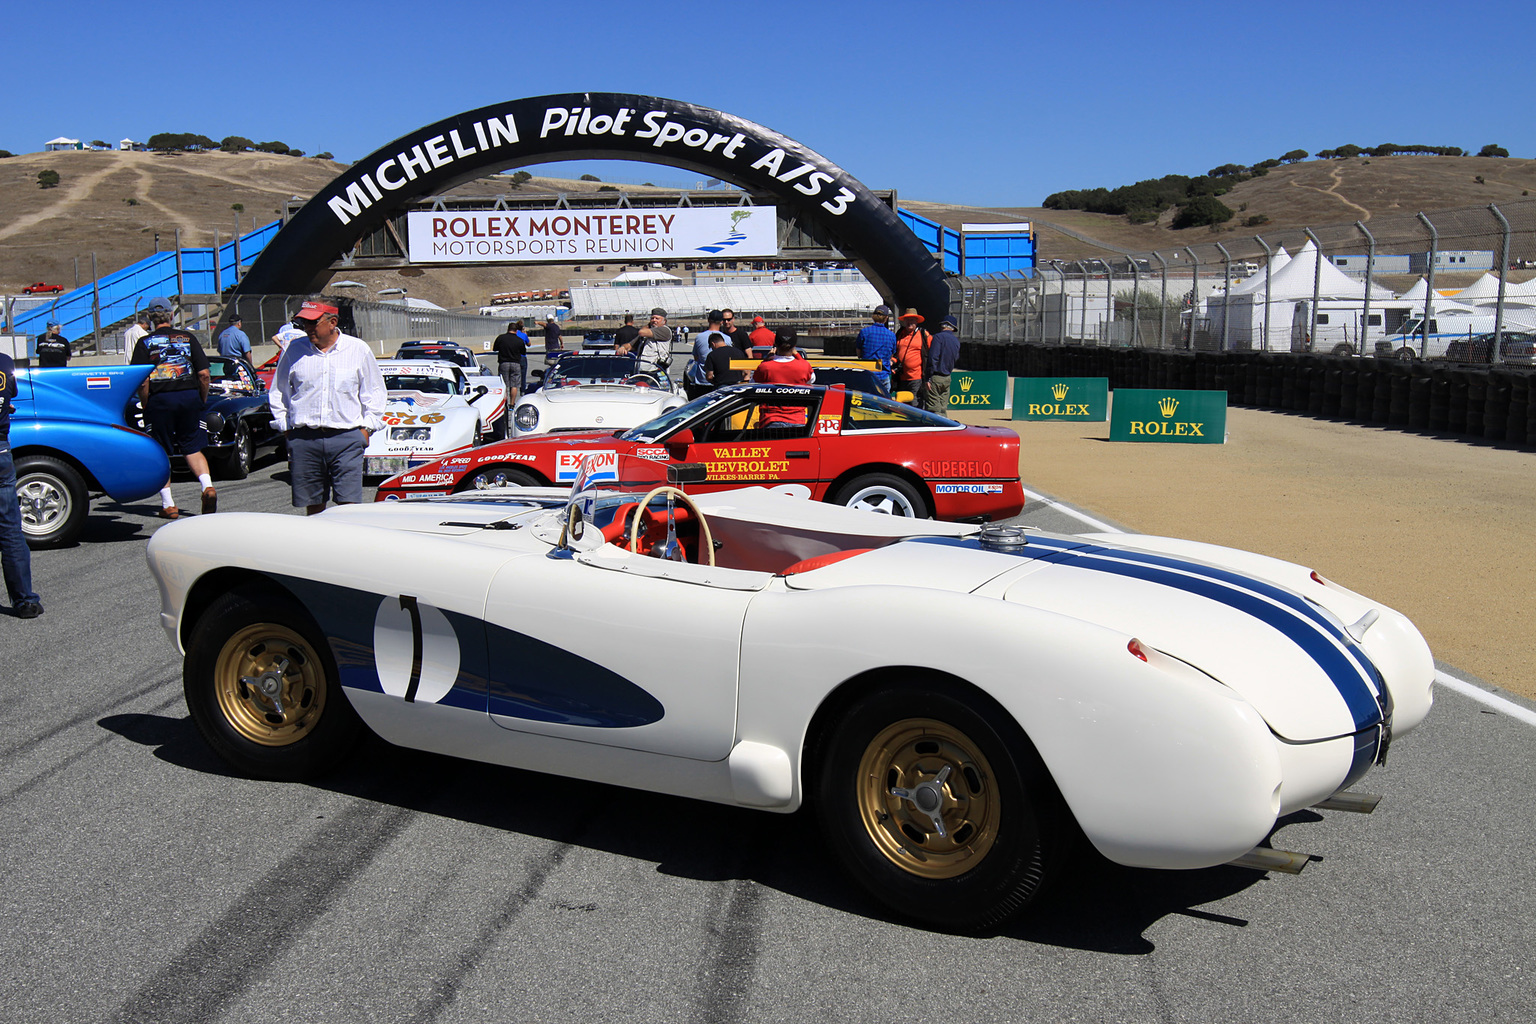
(71,437)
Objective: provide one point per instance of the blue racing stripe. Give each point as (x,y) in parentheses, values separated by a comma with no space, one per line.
(1351,673)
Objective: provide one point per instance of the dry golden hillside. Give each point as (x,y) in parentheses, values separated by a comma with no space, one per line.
(1307,194)
(114,204)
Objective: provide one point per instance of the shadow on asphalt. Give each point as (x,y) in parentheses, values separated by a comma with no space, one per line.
(1100,906)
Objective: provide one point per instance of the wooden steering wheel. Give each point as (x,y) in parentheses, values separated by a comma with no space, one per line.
(643,513)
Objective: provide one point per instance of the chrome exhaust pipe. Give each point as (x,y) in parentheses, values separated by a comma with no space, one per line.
(1262,858)
(1356,803)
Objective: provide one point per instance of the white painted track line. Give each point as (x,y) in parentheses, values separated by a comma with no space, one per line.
(1074,513)
(1482,696)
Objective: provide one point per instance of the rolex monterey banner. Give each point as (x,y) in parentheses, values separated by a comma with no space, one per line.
(514,236)
(1184,417)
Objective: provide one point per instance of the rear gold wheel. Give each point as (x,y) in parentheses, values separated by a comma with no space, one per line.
(927,799)
(937,804)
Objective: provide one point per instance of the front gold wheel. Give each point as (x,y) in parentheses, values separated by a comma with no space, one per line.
(269,683)
(263,687)
(927,799)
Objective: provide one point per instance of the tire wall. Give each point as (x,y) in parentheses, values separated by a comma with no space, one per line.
(1492,404)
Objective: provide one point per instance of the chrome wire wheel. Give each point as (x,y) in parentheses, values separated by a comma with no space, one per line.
(927,798)
(46,504)
(269,684)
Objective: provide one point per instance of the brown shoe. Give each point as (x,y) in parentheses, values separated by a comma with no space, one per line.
(210,500)
(170,512)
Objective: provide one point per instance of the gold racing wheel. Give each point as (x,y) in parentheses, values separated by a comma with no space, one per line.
(706,540)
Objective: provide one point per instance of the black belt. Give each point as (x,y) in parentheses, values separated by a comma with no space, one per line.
(325,431)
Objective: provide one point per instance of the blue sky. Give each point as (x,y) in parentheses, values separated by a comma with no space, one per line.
(981,103)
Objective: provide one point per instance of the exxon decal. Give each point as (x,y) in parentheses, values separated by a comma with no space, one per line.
(604,465)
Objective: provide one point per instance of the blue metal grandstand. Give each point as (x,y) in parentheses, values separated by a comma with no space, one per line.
(124,292)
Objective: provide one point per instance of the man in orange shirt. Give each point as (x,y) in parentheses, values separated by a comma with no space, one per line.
(911,356)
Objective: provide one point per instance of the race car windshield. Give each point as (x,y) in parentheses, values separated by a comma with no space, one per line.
(591,368)
(418,382)
(668,422)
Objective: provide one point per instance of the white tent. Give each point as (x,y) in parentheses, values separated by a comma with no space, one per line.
(1484,293)
(645,279)
(1285,307)
(1256,281)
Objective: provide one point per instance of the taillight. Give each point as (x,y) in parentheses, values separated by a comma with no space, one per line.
(1136,649)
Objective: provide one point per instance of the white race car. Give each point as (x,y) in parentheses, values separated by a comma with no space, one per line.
(433,409)
(959,703)
(591,391)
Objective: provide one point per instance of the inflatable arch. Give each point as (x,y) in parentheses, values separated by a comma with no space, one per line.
(581,126)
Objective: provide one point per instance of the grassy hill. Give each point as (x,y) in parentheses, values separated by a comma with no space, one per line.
(114,204)
(1312,193)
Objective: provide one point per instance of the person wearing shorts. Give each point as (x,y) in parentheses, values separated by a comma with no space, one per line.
(511,355)
(173,397)
(327,398)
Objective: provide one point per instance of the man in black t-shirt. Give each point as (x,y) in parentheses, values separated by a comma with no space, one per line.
(624,338)
(740,336)
(511,351)
(717,365)
(52,348)
(173,396)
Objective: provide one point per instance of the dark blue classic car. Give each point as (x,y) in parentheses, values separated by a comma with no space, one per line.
(71,436)
(237,417)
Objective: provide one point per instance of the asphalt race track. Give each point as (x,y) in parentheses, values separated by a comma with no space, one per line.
(143,882)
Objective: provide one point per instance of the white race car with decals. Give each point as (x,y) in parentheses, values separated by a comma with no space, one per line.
(433,409)
(959,703)
(592,391)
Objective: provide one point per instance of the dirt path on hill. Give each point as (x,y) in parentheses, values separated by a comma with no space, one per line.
(1333,190)
(1442,530)
(76,191)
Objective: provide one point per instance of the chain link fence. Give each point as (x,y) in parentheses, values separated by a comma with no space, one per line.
(1458,284)
(384,325)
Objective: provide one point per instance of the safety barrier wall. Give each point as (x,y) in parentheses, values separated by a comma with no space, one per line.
(1468,403)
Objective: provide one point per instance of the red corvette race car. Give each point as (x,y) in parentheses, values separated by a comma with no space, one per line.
(828,443)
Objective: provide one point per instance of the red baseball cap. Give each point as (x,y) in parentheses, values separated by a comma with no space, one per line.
(315,310)
(758,320)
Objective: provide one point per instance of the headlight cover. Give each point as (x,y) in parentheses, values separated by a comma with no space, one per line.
(526,417)
(410,433)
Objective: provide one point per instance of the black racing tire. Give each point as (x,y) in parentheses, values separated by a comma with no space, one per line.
(54,501)
(487,477)
(1006,829)
(253,635)
(237,464)
(884,493)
